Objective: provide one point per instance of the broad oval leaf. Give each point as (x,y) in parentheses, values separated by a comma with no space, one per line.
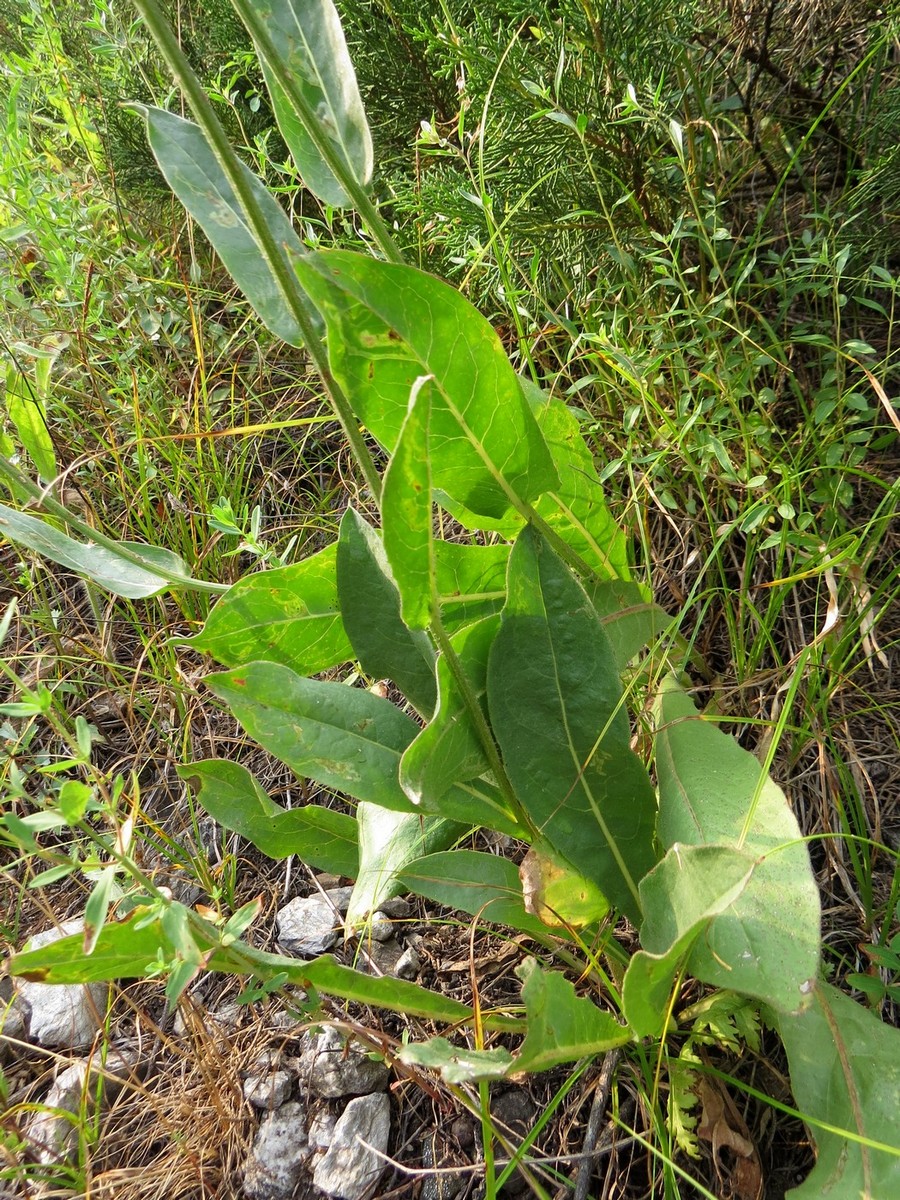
(308,37)
(558,894)
(713,792)
(289,615)
(384,645)
(118,575)
(387,326)
(192,171)
(471,581)
(556,707)
(845,1075)
(485,886)
(323,838)
(341,737)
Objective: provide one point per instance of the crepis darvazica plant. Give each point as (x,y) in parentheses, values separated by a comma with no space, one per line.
(508,645)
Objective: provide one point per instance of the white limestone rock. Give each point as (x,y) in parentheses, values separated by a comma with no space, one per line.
(352,1164)
(62,1014)
(334,1067)
(275,1164)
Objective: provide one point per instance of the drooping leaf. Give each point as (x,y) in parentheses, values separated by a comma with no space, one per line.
(118,575)
(406,511)
(448,750)
(681,897)
(195,176)
(387,842)
(845,1075)
(131,949)
(560,896)
(370,607)
(341,737)
(471,581)
(557,709)
(310,41)
(562,1026)
(289,615)
(484,885)
(711,791)
(387,326)
(457,1064)
(321,837)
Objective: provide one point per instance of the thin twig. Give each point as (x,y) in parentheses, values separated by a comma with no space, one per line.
(585,1163)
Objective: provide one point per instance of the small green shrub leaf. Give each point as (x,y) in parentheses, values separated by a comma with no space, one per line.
(681,896)
(457,1064)
(323,838)
(448,749)
(193,173)
(561,1025)
(383,643)
(711,791)
(555,702)
(406,511)
(309,37)
(288,615)
(387,842)
(845,1075)
(118,575)
(341,737)
(387,326)
(484,885)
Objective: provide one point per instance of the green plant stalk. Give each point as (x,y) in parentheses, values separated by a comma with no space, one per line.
(230,164)
(46,502)
(362,201)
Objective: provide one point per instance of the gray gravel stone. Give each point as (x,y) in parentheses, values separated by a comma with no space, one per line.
(307,926)
(334,1067)
(273,1168)
(379,927)
(62,1014)
(268,1091)
(350,1170)
(408,965)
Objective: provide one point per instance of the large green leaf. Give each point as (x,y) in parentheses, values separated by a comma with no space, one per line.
(561,1025)
(448,750)
(289,615)
(484,885)
(370,607)
(321,837)
(387,326)
(406,511)
(712,792)
(631,622)
(845,1076)
(308,37)
(387,842)
(194,174)
(118,575)
(341,737)
(557,710)
(681,897)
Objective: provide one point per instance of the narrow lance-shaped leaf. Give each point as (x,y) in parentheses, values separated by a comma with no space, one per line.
(370,608)
(289,615)
(556,706)
(845,1075)
(26,410)
(390,324)
(310,41)
(321,837)
(711,791)
(341,737)
(387,842)
(193,173)
(119,575)
(406,510)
